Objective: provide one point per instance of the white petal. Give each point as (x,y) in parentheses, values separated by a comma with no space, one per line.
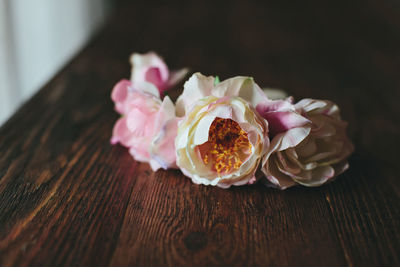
(198,86)
(154,165)
(292,137)
(147,87)
(318,176)
(308,104)
(182,138)
(223,112)
(201,133)
(244,87)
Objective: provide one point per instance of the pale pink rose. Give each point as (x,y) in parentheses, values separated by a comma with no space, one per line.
(309,144)
(221,138)
(150,68)
(147,126)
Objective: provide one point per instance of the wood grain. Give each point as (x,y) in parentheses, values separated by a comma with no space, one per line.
(69,198)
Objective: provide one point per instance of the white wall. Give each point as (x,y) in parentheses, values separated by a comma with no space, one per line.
(8,92)
(37,38)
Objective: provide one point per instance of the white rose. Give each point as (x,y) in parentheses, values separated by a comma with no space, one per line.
(221,138)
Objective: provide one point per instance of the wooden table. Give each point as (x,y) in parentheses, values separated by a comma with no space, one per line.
(69,198)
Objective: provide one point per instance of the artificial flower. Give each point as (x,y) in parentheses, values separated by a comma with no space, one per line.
(199,86)
(147,126)
(309,144)
(221,138)
(218,133)
(150,68)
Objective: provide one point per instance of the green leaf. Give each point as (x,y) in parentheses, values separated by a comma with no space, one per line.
(216,80)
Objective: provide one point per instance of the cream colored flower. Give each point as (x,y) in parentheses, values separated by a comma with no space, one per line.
(221,138)
(310,153)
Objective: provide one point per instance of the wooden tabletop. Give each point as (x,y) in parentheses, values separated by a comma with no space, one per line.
(69,198)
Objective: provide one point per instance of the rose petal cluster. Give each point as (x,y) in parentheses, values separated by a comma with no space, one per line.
(230,132)
(148,125)
(309,145)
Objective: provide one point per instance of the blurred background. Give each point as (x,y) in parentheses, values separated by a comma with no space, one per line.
(37,38)
(333,49)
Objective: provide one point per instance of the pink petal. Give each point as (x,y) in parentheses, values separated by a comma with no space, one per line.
(141,63)
(176,76)
(165,112)
(153,75)
(120,93)
(252,180)
(121,133)
(281,116)
(163,147)
(140,153)
(282,121)
(141,124)
(274,105)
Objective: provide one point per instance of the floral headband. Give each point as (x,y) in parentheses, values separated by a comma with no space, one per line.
(222,132)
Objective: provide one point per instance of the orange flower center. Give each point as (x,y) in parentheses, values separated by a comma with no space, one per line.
(227,147)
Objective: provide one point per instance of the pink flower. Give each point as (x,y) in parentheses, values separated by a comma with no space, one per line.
(148,126)
(309,144)
(150,68)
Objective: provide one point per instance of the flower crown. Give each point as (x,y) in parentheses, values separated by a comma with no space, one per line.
(222,132)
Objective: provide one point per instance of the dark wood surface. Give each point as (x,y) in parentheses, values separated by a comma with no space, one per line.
(69,198)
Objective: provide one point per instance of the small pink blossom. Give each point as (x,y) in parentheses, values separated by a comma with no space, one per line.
(150,68)
(147,126)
